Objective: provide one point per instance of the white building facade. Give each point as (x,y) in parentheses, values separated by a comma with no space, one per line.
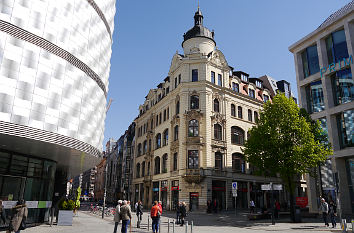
(54,69)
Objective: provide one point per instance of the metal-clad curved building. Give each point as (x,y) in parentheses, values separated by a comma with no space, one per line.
(54,69)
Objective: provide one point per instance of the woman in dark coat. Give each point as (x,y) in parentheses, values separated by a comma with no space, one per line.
(19,213)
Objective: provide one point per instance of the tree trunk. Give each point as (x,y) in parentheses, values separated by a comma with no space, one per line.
(292,202)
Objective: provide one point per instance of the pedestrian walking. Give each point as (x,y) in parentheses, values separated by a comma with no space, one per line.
(183,210)
(324,210)
(333,213)
(19,215)
(215,205)
(252,206)
(276,209)
(125,215)
(178,212)
(2,214)
(155,214)
(139,213)
(117,216)
(209,206)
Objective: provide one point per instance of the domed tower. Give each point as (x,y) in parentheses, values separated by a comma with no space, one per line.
(198,39)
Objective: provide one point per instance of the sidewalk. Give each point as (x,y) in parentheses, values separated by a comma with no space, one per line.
(89,223)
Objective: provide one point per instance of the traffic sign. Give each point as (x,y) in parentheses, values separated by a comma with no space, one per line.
(234,194)
(234,185)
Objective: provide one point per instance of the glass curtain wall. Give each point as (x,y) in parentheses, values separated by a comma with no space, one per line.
(343,85)
(28,178)
(316,99)
(346,128)
(336,46)
(310,61)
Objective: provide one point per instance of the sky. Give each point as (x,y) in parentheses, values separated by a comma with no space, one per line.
(254,36)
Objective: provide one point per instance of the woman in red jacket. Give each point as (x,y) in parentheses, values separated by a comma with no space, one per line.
(155,215)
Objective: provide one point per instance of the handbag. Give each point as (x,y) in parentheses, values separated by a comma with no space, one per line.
(23,224)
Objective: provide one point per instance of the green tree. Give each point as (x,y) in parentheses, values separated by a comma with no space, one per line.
(283,143)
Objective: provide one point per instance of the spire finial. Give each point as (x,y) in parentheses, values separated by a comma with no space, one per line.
(198,5)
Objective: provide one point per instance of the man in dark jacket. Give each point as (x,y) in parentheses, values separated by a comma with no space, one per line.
(183,211)
(2,214)
(139,213)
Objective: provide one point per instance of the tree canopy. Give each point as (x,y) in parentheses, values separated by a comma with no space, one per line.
(285,142)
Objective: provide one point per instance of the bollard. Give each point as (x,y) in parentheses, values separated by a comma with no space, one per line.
(186,226)
(168,226)
(191,226)
(352,225)
(149,222)
(173,226)
(344,225)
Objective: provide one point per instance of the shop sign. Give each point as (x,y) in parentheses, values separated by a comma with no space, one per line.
(337,66)
(48,204)
(32,204)
(265,187)
(163,189)
(175,188)
(155,189)
(194,194)
(277,187)
(9,204)
(42,204)
(219,188)
(302,201)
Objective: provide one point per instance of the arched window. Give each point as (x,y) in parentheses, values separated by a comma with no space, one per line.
(175,161)
(137,170)
(176,133)
(152,123)
(216,105)
(217,132)
(218,161)
(237,135)
(158,141)
(139,149)
(238,163)
(239,112)
(165,137)
(233,110)
(144,147)
(249,114)
(194,102)
(157,119)
(157,165)
(255,116)
(193,128)
(177,108)
(164,163)
(150,145)
(143,169)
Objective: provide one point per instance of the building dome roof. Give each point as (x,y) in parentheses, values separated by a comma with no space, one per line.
(198,30)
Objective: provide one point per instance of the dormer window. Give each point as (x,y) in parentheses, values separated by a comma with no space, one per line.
(244,78)
(259,84)
(265,98)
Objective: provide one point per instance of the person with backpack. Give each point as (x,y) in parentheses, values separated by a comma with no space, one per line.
(126,216)
(155,214)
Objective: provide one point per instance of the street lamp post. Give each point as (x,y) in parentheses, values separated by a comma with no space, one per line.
(272,203)
(105,191)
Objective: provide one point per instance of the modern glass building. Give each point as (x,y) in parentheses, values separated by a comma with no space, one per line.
(324,68)
(54,69)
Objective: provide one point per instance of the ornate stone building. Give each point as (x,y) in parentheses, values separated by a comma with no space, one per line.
(191,129)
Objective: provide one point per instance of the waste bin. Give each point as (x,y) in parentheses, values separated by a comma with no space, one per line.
(297,214)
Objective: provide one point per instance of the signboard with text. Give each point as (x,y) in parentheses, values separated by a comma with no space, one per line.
(302,201)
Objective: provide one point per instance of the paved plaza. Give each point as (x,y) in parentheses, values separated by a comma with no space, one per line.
(89,223)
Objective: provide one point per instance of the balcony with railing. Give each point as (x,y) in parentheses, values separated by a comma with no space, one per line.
(193,175)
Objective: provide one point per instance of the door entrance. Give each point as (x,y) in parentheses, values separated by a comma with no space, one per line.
(193,201)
